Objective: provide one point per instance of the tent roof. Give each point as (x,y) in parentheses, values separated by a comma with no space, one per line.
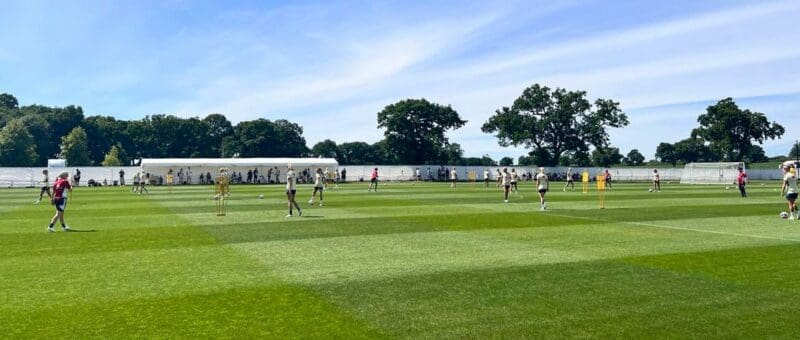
(238,162)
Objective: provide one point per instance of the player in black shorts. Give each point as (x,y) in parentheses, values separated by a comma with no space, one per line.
(45,187)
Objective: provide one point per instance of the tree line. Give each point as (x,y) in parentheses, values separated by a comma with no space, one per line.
(557,126)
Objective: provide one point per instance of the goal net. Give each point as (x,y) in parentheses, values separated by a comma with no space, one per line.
(711,173)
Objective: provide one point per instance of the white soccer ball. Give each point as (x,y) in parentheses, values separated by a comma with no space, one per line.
(727,188)
(261,197)
(650,190)
(784,215)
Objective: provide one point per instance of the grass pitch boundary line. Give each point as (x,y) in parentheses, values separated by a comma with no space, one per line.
(652,225)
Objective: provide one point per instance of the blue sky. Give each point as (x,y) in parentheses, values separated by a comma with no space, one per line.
(331,66)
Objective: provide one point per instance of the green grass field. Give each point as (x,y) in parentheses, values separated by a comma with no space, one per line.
(411,261)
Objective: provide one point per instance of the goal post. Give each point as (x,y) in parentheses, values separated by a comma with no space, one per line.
(711,173)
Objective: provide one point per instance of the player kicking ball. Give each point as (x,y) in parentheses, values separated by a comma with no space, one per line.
(656,181)
(59,200)
(790,187)
(542,185)
(319,186)
(291,191)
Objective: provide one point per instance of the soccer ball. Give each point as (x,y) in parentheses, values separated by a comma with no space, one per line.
(727,188)
(261,197)
(650,190)
(784,215)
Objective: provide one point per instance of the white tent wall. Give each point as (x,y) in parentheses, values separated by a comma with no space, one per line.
(30,177)
(406,172)
(158,168)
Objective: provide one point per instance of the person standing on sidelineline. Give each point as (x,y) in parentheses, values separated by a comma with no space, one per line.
(486,178)
(59,200)
(453,178)
(741,180)
(608,180)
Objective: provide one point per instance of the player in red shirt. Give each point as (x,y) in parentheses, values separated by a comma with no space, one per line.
(373,181)
(60,200)
(741,179)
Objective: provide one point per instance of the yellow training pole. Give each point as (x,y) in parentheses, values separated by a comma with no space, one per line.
(601,189)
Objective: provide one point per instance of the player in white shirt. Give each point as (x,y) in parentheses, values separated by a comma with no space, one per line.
(499,179)
(570,182)
(790,187)
(486,178)
(319,185)
(514,179)
(136,179)
(656,181)
(143,179)
(291,191)
(417,176)
(453,178)
(505,181)
(542,185)
(326,175)
(45,187)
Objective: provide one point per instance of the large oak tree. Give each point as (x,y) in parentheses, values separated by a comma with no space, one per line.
(731,131)
(552,122)
(415,131)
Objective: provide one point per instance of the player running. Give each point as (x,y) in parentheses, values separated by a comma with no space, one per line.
(505,180)
(373,181)
(741,180)
(790,187)
(319,186)
(59,200)
(570,181)
(656,181)
(453,178)
(542,185)
(291,191)
(45,187)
